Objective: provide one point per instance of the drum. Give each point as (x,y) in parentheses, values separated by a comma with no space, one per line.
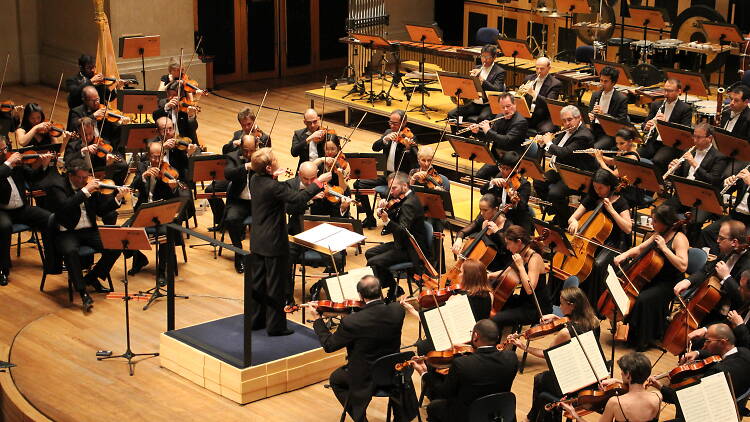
(623,45)
(705,111)
(642,50)
(665,53)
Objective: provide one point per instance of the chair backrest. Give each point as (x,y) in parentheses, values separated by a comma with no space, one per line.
(646,161)
(571,281)
(696,260)
(493,407)
(486,35)
(584,54)
(384,371)
(429,232)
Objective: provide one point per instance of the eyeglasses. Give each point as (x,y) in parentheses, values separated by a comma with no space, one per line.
(719,238)
(311,122)
(708,340)
(391,122)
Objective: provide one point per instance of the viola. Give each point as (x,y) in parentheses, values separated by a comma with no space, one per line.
(406,138)
(431,179)
(328,306)
(429,299)
(190,85)
(102,147)
(185,106)
(29,157)
(593,399)
(112,115)
(392,204)
(688,373)
(107,81)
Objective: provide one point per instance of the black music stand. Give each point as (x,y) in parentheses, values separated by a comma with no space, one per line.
(471,150)
(157,214)
(697,195)
(140,46)
(125,239)
(575,179)
(207,167)
(139,102)
(737,149)
(675,135)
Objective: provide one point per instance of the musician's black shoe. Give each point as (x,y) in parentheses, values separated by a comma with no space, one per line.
(394,293)
(216,228)
(239,266)
(386,231)
(369,223)
(87,302)
(3,279)
(281,333)
(139,261)
(94,282)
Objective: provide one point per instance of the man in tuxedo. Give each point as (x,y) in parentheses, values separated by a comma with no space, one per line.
(309,143)
(112,163)
(506,134)
(740,211)
(492,78)
(169,107)
(87,76)
(238,171)
(736,119)
(176,158)
(487,371)
(607,101)
(394,153)
(76,201)
(268,239)
(544,86)
(561,147)
(371,333)
(14,207)
(403,218)
(671,109)
(519,214)
(90,108)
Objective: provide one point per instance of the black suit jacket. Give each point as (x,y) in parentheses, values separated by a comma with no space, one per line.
(742,126)
(682,113)
(185,125)
(618,105)
(177,159)
(710,170)
(264,141)
(582,138)
(21,175)
(409,216)
(519,214)
(551,88)
(62,200)
(161,189)
(236,173)
(737,365)
(269,231)
(75,84)
(495,80)
(110,131)
(300,147)
(297,209)
(487,371)
(369,334)
(731,287)
(410,158)
(507,134)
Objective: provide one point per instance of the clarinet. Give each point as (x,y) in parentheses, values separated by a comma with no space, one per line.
(727,187)
(651,131)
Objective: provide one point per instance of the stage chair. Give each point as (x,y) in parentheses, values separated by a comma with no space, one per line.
(405,268)
(493,407)
(487,35)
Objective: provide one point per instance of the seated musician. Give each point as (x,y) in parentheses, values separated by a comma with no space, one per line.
(398,158)
(737,118)
(306,143)
(426,175)
(519,214)
(340,170)
(492,78)
(647,319)
(176,108)
(404,213)
(34,129)
(671,109)
(91,107)
(637,405)
(238,171)
(740,211)
(475,375)
(737,319)
(369,334)
(541,86)
(15,177)
(173,74)
(10,120)
(76,202)
(246,119)
(528,265)
(576,136)
(615,208)
(576,307)
(102,158)
(489,208)
(625,141)
(607,101)
(173,155)
(87,76)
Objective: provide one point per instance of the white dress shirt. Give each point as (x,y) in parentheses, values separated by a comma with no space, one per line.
(391,163)
(15,201)
(699,156)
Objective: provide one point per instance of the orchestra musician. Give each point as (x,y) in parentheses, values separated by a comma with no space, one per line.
(175,107)
(489,207)
(492,78)
(403,213)
(306,143)
(737,318)
(268,239)
(87,76)
(486,371)
(671,109)
(368,334)
(112,163)
(625,141)
(398,156)
(419,176)
(506,185)
(740,211)
(340,175)
(576,136)
(14,205)
(648,318)
(10,120)
(607,101)
(238,171)
(544,86)
(173,74)
(173,155)
(92,108)
(637,405)
(34,129)
(736,119)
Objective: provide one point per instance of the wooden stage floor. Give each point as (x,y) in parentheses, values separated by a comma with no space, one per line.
(54,344)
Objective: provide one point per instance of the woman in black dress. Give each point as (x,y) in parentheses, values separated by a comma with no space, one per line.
(34,130)
(647,319)
(488,208)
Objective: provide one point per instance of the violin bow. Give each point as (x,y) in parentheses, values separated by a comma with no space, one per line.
(260,108)
(192,56)
(347,140)
(85,144)
(179,98)
(323,109)
(278,109)
(2,81)
(59,84)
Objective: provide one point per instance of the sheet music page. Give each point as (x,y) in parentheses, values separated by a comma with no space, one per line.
(330,237)
(348,283)
(710,400)
(438,332)
(459,319)
(618,293)
(571,367)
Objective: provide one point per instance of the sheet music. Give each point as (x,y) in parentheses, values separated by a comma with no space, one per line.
(348,283)
(616,290)
(330,237)
(709,400)
(571,367)
(459,319)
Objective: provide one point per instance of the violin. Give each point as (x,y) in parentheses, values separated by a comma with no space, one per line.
(406,138)
(431,298)
(437,359)
(593,399)
(168,174)
(186,105)
(183,143)
(112,115)
(329,306)
(392,204)
(687,374)
(537,331)
(102,148)
(29,157)
(431,179)
(108,186)
(191,86)
(8,106)
(107,81)
(56,130)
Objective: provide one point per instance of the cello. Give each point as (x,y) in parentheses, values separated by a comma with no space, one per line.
(691,315)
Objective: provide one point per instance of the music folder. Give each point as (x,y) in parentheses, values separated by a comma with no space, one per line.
(344,286)
(710,399)
(327,238)
(570,367)
(459,322)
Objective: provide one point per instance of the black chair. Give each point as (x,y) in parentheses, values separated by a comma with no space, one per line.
(498,407)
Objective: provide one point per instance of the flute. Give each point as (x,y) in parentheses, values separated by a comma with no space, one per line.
(593,150)
(466,129)
(679,161)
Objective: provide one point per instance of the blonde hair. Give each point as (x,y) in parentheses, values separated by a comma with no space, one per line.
(261,159)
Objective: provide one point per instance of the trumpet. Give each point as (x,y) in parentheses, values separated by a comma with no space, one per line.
(679,161)
(593,150)
(734,180)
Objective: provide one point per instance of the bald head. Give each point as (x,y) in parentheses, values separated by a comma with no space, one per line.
(166,127)
(307,172)
(90,97)
(368,288)
(311,120)
(249,145)
(543,66)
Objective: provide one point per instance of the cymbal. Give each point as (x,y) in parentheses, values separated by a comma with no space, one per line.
(543,10)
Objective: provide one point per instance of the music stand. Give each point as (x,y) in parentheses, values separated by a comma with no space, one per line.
(692,82)
(125,239)
(364,165)
(732,146)
(697,195)
(531,168)
(721,32)
(437,203)
(611,125)
(140,45)
(675,135)
(136,101)
(575,179)
(641,175)
(471,150)
(554,237)
(516,49)
(648,17)
(555,107)
(156,214)
(202,168)
(423,33)
(460,86)
(134,136)
(623,79)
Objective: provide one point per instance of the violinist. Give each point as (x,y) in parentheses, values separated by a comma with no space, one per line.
(577,308)
(603,195)
(369,334)
(506,187)
(324,204)
(647,319)
(404,212)
(238,171)
(574,137)
(180,110)
(246,119)
(637,405)
(91,107)
(173,74)
(10,119)
(177,158)
(736,318)
(486,371)
(307,143)
(489,205)
(34,129)
(426,175)
(87,76)
(14,205)
(102,154)
(607,101)
(400,153)
(492,78)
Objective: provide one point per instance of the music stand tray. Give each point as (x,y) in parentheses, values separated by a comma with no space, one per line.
(732,146)
(365,165)
(641,175)
(692,82)
(623,79)
(373,41)
(424,33)
(515,48)
(461,86)
(470,149)
(611,125)
(158,212)
(437,203)
(139,102)
(531,168)
(202,168)
(575,179)
(649,17)
(698,195)
(675,135)
(554,237)
(722,32)
(131,46)
(556,106)
(134,136)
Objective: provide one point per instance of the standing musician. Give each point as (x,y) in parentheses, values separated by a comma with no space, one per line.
(15,177)
(91,107)
(426,174)
(492,78)
(737,118)
(76,202)
(238,171)
(404,212)
(576,307)
(102,154)
(87,76)
(648,318)
(34,129)
(268,239)
(529,267)
(306,143)
(543,86)
(371,333)
(671,109)
(397,149)
(637,405)
(178,109)
(607,101)
(575,136)
(486,371)
(506,186)
(489,205)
